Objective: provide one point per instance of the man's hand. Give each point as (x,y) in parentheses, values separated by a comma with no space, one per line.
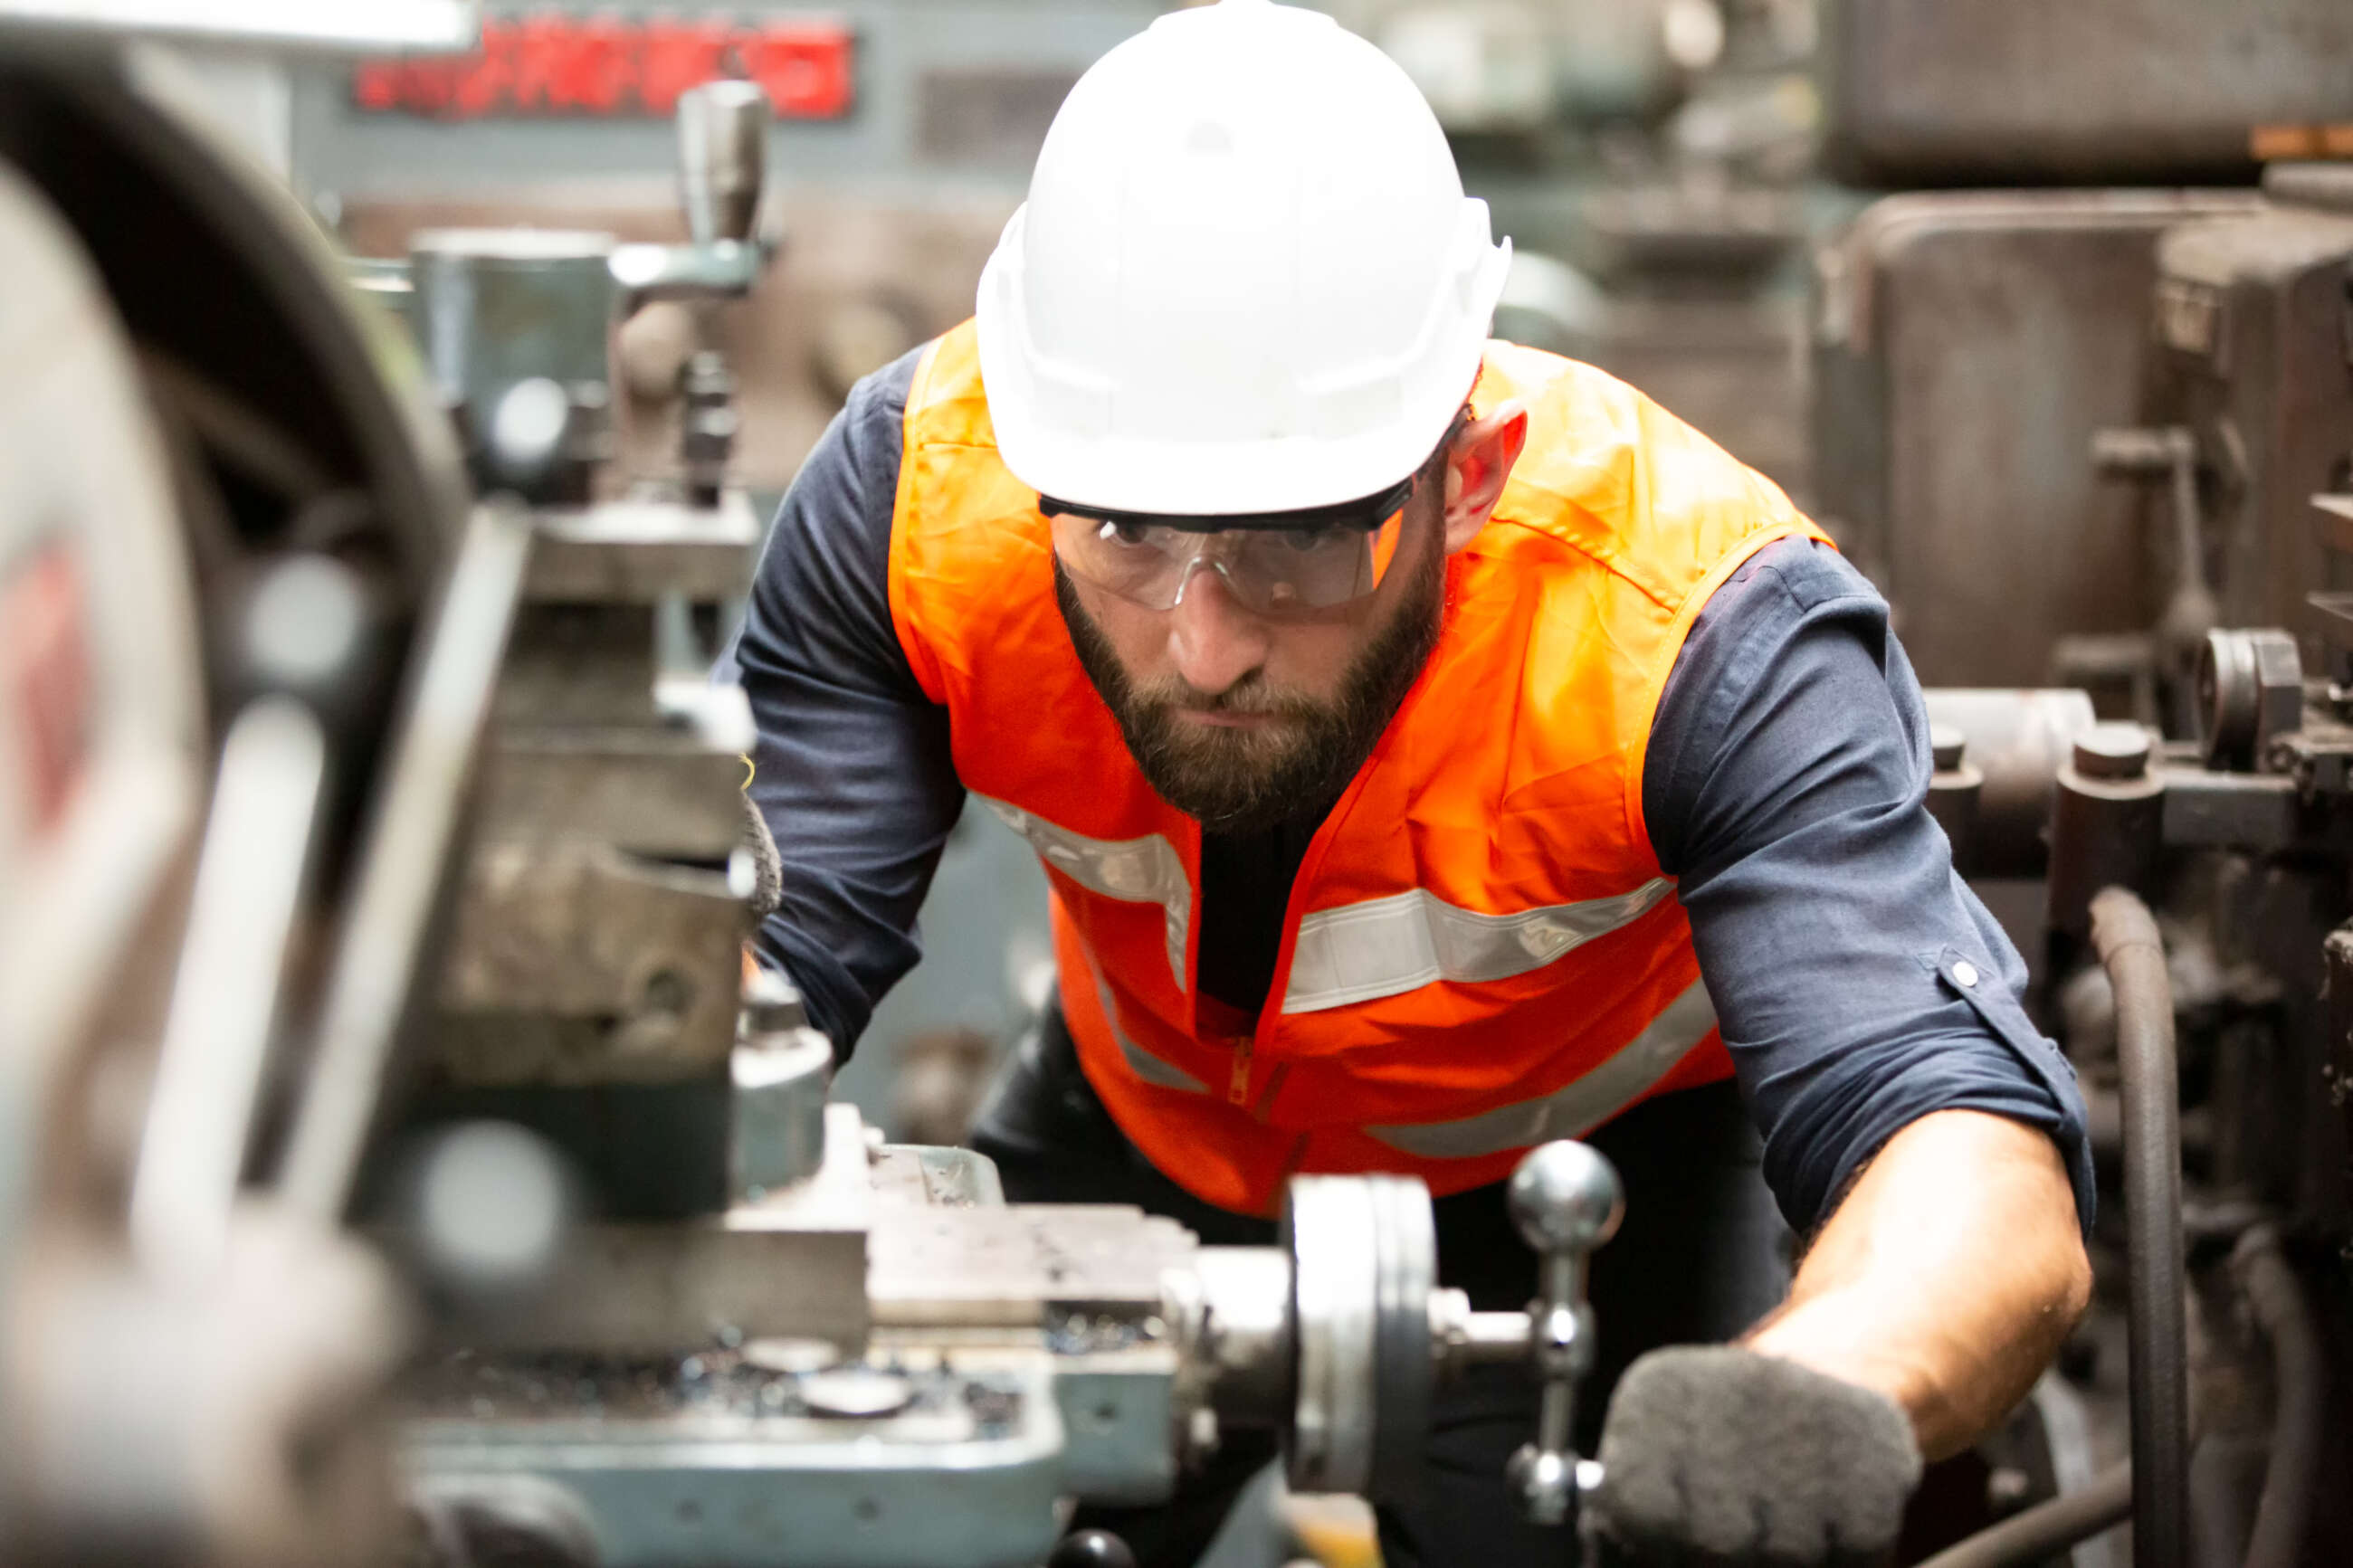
(1720,1456)
(1924,1310)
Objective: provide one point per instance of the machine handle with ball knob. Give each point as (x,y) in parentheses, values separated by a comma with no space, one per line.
(1092,1549)
(1566,1200)
(1341,1335)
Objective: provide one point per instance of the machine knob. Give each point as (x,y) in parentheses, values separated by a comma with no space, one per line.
(1092,1549)
(1564,1197)
(1566,1200)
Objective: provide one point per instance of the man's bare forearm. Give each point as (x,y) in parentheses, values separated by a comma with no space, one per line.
(1945,1279)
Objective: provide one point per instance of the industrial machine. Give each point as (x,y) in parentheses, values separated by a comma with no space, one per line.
(2117,423)
(871,1359)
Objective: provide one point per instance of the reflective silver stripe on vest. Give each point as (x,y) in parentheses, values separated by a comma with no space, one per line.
(1145,871)
(1140,1062)
(1383,947)
(1579,1108)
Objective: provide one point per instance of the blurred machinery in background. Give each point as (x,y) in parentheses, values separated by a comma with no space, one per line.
(2096,437)
(1976,349)
(1649,161)
(902,139)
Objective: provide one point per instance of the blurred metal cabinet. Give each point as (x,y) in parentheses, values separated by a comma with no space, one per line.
(1922,92)
(1967,348)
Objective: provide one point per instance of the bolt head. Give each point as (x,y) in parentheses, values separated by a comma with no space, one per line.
(2114,750)
(1566,1196)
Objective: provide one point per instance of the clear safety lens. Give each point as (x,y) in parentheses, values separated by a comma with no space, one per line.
(1272,572)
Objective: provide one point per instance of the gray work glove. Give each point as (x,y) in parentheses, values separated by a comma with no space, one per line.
(1714,1456)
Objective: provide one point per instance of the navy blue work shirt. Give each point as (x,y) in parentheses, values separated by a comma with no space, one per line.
(1858,982)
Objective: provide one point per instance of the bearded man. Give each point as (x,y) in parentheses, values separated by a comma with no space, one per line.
(1435,748)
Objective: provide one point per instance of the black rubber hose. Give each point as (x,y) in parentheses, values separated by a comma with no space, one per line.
(2048,1528)
(2300,1379)
(2125,934)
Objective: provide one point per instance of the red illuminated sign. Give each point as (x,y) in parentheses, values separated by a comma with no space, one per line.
(550,63)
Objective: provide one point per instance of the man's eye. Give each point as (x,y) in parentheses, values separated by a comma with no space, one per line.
(1131,533)
(1307,540)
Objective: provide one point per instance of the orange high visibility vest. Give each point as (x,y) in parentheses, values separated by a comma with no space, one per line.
(1480,951)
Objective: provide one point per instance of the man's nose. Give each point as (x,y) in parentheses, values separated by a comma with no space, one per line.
(1212,641)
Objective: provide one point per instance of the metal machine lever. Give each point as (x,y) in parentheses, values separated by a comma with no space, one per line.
(1566,1200)
(723,129)
(722,166)
(2169,452)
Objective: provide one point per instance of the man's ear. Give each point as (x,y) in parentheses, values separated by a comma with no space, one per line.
(1477,467)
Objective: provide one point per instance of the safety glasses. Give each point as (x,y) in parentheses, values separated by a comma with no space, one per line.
(1277,565)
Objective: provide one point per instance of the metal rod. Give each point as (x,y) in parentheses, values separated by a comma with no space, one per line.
(2046,1529)
(1557,1417)
(1495,1338)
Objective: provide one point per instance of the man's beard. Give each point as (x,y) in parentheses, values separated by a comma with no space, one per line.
(1247,779)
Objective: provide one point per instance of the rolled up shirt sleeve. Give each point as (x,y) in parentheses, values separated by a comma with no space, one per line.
(851,771)
(1859,983)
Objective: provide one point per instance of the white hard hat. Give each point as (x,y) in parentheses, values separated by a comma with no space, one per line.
(1246,279)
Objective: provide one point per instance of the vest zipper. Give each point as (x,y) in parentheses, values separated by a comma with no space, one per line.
(1237,1082)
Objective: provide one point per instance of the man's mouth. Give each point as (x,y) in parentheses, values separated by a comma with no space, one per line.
(1221,719)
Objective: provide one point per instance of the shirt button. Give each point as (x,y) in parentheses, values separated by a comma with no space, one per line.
(1966,972)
